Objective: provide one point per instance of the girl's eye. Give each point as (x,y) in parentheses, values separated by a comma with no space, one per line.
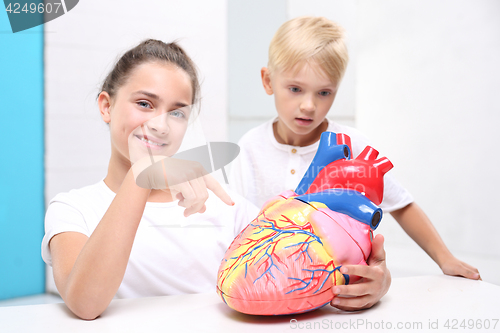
(325,93)
(144,104)
(294,89)
(177,114)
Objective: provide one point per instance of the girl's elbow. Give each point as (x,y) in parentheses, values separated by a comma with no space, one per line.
(87,315)
(86,309)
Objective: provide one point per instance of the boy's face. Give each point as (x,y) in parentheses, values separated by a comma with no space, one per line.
(303,96)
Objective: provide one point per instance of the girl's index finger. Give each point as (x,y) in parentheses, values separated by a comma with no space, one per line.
(214,186)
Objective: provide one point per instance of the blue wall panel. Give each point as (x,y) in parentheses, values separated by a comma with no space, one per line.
(22,271)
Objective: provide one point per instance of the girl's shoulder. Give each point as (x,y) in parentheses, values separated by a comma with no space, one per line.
(87,196)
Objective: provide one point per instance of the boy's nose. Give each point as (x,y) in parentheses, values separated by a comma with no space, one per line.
(159,124)
(307,104)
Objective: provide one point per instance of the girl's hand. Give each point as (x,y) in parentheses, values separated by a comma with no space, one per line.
(455,267)
(193,194)
(187,180)
(375,281)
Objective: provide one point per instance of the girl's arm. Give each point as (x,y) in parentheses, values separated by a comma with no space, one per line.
(417,225)
(88,271)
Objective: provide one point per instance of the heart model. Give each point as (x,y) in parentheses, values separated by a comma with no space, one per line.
(288,258)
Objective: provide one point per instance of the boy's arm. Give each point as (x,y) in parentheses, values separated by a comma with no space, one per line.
(375,282)
(417,225)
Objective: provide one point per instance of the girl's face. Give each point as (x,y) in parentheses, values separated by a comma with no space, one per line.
(150,112)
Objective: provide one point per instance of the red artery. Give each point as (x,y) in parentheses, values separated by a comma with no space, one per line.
(363,174)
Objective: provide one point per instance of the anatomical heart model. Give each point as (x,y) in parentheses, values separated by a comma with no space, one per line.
(288,258)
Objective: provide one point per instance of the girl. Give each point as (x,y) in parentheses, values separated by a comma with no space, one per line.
(116,238)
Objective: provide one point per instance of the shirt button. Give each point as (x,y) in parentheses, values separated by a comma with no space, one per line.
(294,151)
(292,171)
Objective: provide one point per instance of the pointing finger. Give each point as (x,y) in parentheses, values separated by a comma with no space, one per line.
(218,190)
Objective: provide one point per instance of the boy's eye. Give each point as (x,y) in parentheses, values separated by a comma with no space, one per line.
(294,89)
(325,93)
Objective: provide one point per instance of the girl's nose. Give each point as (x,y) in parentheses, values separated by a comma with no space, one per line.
(159,124)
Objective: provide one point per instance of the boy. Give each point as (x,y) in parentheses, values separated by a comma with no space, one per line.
(307,59)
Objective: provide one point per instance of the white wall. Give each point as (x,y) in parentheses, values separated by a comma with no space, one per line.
(428,78)
(251,25)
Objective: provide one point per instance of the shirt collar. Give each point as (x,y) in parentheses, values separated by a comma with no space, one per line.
(288,148)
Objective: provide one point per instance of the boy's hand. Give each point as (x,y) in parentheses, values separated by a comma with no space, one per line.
(375,281)
(453,266)
(187,180)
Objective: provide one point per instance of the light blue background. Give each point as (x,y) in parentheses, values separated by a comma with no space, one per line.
(22,271)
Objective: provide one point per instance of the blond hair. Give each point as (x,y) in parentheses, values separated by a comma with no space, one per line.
(308,38)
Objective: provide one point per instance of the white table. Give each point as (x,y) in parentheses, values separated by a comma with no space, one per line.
(417,304)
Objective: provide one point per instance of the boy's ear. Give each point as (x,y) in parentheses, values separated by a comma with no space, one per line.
(266,80)
(104,102)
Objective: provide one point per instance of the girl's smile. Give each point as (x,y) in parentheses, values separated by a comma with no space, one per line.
(150,142)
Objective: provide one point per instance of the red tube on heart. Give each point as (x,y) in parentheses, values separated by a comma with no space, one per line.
(363,174)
